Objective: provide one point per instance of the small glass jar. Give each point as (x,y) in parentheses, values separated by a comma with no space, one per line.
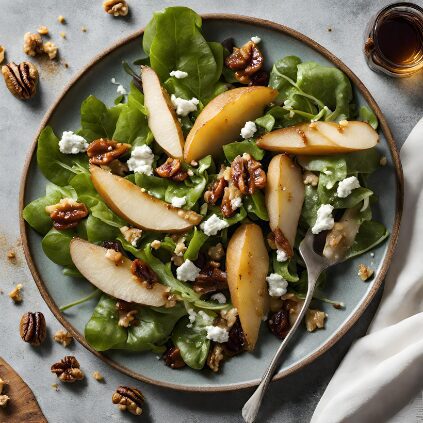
(394,40)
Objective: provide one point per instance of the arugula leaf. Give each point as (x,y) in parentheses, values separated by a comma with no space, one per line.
(197,241)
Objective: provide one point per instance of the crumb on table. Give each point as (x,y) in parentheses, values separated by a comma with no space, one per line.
(364,272)
(16,294)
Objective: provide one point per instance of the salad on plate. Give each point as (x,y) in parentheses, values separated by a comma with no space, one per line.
(184,203)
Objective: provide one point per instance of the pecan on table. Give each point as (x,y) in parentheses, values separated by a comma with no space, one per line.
(236,342)
(32,328)
(216,190)
(247,174)
(172,358)
(67,213)
(245,61)
(210,279)
(68,369)
(129,398)
(21,80)
(143,272)
(172,169)
(102,151)
(278,323)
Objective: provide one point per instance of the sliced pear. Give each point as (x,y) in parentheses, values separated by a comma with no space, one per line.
(140,209)
(284,196)
(223,118)
(115,280)
(162,118)
(247,264)
(321,138)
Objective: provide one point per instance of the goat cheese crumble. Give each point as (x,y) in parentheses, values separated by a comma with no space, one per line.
(219,297)
(277,285)
(71,143)
(248,130)
(217,334)
(255,39)
(236,203)
(141,160)
(188,271)
(184,107)
(121,90)
(281,256)
(179,201)
(346,186)
(324,219)
(179,74)
(213,225)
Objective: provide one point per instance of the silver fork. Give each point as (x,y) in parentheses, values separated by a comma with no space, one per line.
(315,264)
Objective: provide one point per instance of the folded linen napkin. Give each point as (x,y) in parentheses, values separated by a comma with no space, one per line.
(383,371)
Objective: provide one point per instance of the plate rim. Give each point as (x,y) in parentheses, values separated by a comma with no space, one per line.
(343,329)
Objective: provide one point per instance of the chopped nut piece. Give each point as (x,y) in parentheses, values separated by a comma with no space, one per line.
(114,256)
(315,319)
(68,369)
(116,7)
(50,49)
(172,358)
(21,80)
(156,244)
(84,29)
(98,376)
(215,357)
(282,243)
(61,19)
(132,235)
(43,30)
(33,44)
(177,260)
(103,151)
(230,317)
(116,167)
(364,272)
(2,51)
(62,34)
(343,123)
(172,169)
(216,252)
(11,255)
(63,337)
(67,213)
(309,178)
(32,328)
(231,201)
(16,294)
(180,246)
(55,386)
(129,398)
(127,319)
(144,273)
(216,190)
(4,399)
(293,305)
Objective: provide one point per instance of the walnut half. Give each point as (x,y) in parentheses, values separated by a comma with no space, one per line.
(21,80)
(68,369)
(116,7)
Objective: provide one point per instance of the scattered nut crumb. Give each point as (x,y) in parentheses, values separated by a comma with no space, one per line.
(63,337)
(84,29)
(329,29)
(126,319)
(55,386)
(156,244)
(383,161)
(309,178)
(43,30)
(50,49)
(4,399)
(114,256)
(116,7)
(33,44)
(61,19)
(65,65)
(315,319)
(98,376)
(62,34)
(11,255)
(2,51)
(15,294)
(364,272)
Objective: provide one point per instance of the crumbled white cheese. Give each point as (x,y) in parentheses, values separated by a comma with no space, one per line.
(121,90)
(213,225)
(346,186)
(324,219)
(179,74)
(192,315)
(141,160)
(190,172)
(248,130)
(179,201)
(71,143)
(236,203)
(281,256)
(113,81)
(219,297)
(188,271)
(277,285)
(184,107)
(217,334)
(255,39)
(207,320)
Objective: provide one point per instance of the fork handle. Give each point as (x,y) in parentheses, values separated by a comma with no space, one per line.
(252,406)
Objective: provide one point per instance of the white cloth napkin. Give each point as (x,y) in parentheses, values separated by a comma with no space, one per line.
(383,371)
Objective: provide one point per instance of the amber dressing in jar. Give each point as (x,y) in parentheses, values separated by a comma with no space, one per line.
(394,40)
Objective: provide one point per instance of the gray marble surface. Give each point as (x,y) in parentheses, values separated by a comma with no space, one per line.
(290,400)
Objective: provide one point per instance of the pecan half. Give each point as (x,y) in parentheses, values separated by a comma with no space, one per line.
(236,341)
(210,279)
(129,398)
(21,80)
(67,213)
(32,328)
(172,358)
(68,369)
(281,242)
(246,61)
(212,195)
(247,174)
(143,272)
(102,152)
(278,323)
(172,169)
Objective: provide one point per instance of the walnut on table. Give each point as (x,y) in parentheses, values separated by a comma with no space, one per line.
(116,7)
(68,369)
(63,337)
(33,44)
(129,398)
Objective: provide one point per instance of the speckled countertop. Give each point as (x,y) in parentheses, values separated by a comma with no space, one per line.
(290,400)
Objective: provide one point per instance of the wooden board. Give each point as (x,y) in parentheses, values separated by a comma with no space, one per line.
(22,406)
